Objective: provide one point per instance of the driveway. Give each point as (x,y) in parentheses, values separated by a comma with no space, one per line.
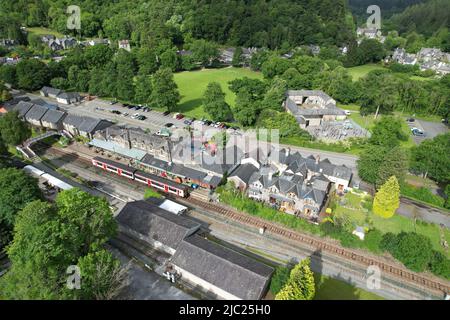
(431,129)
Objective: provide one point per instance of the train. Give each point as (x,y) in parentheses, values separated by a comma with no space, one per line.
(150,180)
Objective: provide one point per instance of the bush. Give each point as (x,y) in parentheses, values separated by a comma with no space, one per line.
(413,250)
(388,242)
(422,194)
(372,241)
(440,265)
(279,278)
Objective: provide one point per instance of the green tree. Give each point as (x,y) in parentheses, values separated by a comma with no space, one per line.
(276,94)
(165,91)
(370,161)
(237,57)
(245,110)
(300,285)
(388,132)
(387,199)
(214,103)
(203,51)
(395,163)
(13,130)
(32,74)
(18,189)
(431,158)
(90,217)
(413,250)
(102,276)
(49,238)
(8,74)
(143,89)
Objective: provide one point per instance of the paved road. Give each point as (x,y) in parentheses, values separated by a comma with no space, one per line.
(412,209)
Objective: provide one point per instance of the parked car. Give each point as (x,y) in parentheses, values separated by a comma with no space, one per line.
(142,118)
(116,112)
(113,102)
(135,116)
(347,112)
(187,122)
(125,114)
(179,116)
(166,113)
(410,120)
(208,123)
(417,132)
(169,125)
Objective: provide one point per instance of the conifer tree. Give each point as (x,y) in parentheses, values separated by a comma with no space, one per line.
(387,199)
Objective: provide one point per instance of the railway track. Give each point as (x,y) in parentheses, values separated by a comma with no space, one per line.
(434,285)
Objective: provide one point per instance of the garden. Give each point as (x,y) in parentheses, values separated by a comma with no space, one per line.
(417,244)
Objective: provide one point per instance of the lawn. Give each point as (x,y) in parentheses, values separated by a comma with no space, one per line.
(192,85)
(333,289)
(354,209)
(44,31)
(361,71)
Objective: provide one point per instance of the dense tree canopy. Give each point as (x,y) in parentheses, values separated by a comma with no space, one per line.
(18,189)
(431,158)
(13,130)
(50,238)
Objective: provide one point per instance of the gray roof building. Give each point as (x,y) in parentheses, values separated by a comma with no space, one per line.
(233,272)
(23,107)
(53,116)
(35,113)
(155,223)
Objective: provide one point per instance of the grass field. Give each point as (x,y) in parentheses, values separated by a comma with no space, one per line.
(361,71)
(192,85)
(44,31)
(396,224)
(332,289)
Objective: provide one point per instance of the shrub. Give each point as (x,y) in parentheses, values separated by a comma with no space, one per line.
(388,242)
(439,265)
(372,241)
(413,250)
(279,278)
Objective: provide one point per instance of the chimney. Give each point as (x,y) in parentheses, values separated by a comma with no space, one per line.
(317,159)
(288,152)
(270,176)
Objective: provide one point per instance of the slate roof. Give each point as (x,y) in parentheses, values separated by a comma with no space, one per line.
(50,90)
(244,172)
(53,116)
(151,161)
(225,268)
(36,112)
(69,95)
(153,222)
(23,107)
(73,120)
